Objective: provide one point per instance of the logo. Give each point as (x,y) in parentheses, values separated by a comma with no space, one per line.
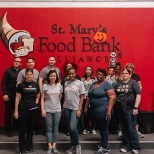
(19,42)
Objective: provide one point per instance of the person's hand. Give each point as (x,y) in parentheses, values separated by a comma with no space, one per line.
(43,114)
(37,101)
(108,115)
(16,115)
(78,114)
(5,97)
(135,111)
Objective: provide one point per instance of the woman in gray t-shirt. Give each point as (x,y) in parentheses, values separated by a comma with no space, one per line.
(51,109)
(74,95)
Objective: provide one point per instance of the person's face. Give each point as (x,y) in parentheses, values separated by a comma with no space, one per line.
(111,71)
(52,77)
(29,76)
(30,63)
(88,71)
(17,62)
(100,76)
(125,75)
(51,61)
(117,69)
(68,66)
(72,74)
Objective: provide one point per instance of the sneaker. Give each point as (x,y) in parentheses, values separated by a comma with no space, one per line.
(78,149)
(94,132)
(67,134)
(123,150)
(140,134)
(135,151)
(84,132)
(49,151)
(22,152)
(71,150)
(54,150)
(101,151)
(100,147)
(120,133)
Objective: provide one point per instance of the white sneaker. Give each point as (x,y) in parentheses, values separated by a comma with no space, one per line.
(123,150)
(93,131)
(140,134)
(135,151)
(84,132)
(120,133)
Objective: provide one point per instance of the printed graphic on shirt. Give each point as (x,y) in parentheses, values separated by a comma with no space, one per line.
(30,89)
(123,88)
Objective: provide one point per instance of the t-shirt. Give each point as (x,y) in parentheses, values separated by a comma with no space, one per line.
(126,92)
(135,77)
(21,75)
(99,99)
(73,90)
(44,72)
(87,85)
(52,99)
(28,91)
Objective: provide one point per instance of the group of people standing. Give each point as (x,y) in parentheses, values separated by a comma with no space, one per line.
(78,98)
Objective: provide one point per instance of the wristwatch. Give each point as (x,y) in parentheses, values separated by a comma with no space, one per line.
(136,108)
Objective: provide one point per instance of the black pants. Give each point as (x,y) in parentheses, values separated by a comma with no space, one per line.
(26,125)
(9,121)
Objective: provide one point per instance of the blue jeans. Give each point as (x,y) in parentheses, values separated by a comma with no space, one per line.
(130,139)
(72,122)
(52,124)
(102,125)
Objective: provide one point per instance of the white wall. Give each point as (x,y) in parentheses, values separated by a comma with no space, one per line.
(78,3)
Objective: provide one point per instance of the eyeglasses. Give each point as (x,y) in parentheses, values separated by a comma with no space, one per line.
(17,61)
(125,73)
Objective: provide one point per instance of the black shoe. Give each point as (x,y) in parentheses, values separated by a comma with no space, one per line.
(9,134)
(30,151)
(67,134)
(23,152)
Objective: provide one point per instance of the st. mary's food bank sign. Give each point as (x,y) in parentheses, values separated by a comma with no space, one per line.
(73,38)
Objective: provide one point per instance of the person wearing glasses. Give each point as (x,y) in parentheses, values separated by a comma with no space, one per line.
(136,78)
(9,91)
(128,99)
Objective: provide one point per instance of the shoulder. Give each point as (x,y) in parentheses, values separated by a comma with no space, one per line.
(7,70)
(78,81)
(58,84)
(107,84)
(56,68)
(44,68)
(22,71)
(35,71)
(34,83)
